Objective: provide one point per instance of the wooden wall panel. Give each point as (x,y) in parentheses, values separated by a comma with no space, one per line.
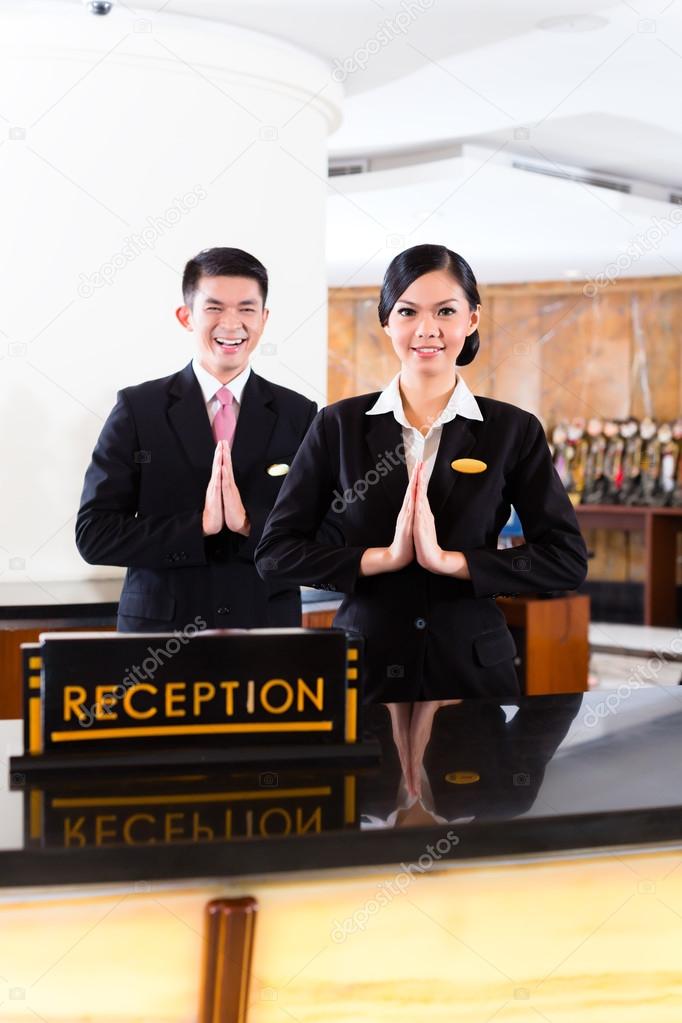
(480,375)
(579,359)
(375,361)
(513,338)
(342,350)
(563,349)
(606,372)
(660,317)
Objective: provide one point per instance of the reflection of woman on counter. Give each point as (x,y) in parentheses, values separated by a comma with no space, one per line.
(418,481)
(455,761)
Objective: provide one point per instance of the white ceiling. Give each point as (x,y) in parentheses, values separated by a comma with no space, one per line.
(485,74)
(334,29)
(605,102)
(509,224)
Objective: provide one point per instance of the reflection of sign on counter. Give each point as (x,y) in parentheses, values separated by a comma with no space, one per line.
(278,692)
(172,810)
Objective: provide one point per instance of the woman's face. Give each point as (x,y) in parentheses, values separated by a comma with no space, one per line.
(430,322)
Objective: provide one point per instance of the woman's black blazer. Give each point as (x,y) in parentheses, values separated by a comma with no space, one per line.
(427,636)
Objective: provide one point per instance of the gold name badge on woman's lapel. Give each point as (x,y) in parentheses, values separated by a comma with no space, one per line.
(468,465)
(277,469)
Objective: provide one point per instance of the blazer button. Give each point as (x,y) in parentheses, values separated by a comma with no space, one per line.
(223,611)
(420,623)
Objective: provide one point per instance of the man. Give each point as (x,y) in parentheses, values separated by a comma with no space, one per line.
(187,467)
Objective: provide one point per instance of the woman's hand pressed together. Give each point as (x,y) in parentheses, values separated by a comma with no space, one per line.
(401,552)
(430,555)
(415,536)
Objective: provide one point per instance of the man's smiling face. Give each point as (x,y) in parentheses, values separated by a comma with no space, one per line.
(228,318)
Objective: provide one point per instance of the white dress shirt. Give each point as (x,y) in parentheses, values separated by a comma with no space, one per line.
(420,447)
(210,386)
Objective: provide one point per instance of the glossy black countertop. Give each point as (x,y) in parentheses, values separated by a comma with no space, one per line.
(472,779)
(88,603)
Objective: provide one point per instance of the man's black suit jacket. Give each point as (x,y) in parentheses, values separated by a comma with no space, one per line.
(144,494)
(427,636)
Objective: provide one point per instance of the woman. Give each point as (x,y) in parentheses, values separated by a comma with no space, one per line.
(415,484)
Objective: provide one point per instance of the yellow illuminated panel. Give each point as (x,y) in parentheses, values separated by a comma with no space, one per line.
(35,813)
(351,715)
(600,946)
(35,726)
(349,798)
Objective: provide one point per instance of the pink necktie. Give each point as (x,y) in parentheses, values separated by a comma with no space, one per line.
(225,420)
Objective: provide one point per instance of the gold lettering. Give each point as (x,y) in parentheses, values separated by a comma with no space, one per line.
(131,711)
(317,699)
(201,688)
(228,824)
(72,830)
(229,687)
(74,698)
(171,832)
(266,816)
(288,698)
(130,823)
(175,693)
(314,822)
(104,703)
(101,834)
(200,832)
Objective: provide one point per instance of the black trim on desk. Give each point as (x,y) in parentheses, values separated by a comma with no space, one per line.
(241,858)
(98,613)
(367,751)
(64,614)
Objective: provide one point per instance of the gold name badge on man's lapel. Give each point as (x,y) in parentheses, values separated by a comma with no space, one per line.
(468,465)
(277,469)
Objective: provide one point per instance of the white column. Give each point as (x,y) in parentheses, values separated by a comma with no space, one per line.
(127,144)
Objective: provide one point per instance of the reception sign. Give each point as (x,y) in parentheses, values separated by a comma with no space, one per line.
(223,693)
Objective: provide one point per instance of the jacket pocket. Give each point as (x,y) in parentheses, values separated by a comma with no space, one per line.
(494,646)
(158,606)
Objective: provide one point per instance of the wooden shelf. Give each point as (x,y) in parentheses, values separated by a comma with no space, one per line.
(660,527)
